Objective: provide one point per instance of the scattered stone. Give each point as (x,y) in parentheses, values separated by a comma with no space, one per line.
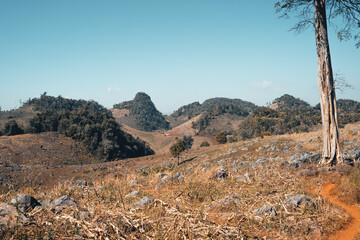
(133,194)
(230,200)
(178,177)
(262,161)
(284,163)
(220,174)
(298,147)
(24,202)
(266,209)
(164,177)
(80,215)
(9,215)
(81,184)
(294,165)
(299,200)
(63,202)
(243,178)
(144,202)
(133,182)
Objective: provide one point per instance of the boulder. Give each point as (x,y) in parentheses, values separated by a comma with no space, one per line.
(178,177)
(299,200)
(9,215)
(266,209)
(133,182)
(220,174)
(144,202)
(62,203)
(133,194)
(25,202)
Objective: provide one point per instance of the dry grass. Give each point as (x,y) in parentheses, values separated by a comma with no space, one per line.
(199,207)
(348,188)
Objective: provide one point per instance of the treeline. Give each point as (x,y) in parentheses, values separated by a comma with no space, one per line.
(292,115)
(148,118)
(86,122)
(212,108)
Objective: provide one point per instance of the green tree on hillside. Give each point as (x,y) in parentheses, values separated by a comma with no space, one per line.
(177,148)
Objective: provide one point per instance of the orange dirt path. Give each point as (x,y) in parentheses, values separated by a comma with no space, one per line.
(354,227)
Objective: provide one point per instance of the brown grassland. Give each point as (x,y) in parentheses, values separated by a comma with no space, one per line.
(193,202)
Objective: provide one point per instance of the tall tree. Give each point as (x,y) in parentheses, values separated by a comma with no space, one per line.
(318,13)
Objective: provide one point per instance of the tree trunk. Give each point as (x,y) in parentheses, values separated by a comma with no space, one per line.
(331,144)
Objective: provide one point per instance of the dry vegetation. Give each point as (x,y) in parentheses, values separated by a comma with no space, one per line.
(194,200)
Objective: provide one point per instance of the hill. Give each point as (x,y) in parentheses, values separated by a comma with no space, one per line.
(216,114)
(288,114)
(84,121)
(142,114)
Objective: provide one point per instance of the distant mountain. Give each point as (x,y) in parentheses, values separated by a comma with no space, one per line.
(217,114)
(87,122)
(142,114)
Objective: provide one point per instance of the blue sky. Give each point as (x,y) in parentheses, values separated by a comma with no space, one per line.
(176,51)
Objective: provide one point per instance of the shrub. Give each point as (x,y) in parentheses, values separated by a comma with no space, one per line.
(204,144)
(221,138)
(12,128)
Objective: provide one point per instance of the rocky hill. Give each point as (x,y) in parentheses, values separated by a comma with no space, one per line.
(141,114)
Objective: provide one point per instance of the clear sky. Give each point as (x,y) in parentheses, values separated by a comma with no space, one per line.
(177,51)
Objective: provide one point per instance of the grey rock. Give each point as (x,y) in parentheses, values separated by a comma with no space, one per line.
(82,215)
(63,202)
(243,178)
(262,161)
(294,165)
(164,177)
(178,177)
(81,183)
(266,209)
(230,200)
(133,182)
(298,147)
(284,163)
(144,202)
(299,200)
(9,215)
(220,174)
(25,202)
(133,194)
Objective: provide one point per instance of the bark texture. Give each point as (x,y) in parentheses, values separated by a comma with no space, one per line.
(331,148)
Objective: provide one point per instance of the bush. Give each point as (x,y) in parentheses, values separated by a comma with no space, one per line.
(221,138)
(204,144)
(12,128)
